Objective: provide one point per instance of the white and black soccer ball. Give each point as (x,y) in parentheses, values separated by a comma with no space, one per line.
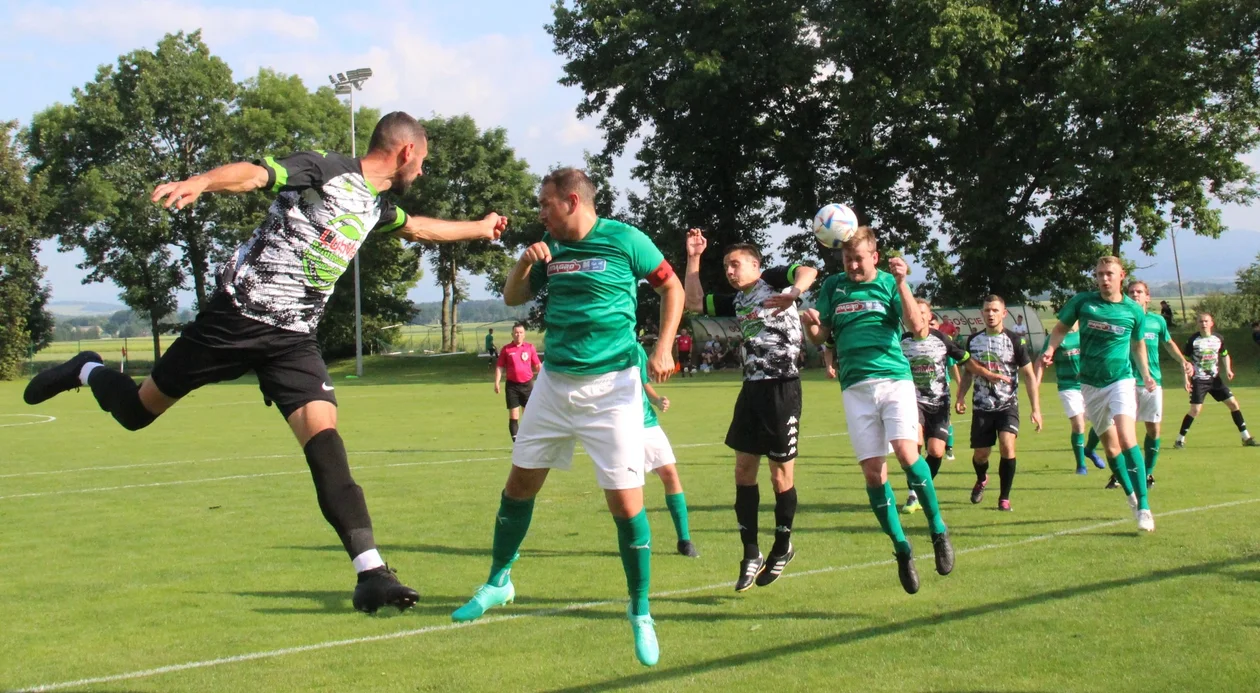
(835,224)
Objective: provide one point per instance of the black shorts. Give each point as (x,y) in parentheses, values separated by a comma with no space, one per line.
(985,426)
(1215,387)
(767,419)
(935,423)
(517,394)
(221,344)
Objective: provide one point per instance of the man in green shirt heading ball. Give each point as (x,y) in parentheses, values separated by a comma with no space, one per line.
(862,308)
(1111,348)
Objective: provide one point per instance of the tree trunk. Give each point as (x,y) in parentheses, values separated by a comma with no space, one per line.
(157,337)
(1115,234)
(199,268)
(446,306)
(454,302)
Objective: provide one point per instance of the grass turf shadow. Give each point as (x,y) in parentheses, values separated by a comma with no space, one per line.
(771,653)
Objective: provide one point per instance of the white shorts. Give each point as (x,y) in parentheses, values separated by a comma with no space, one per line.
(1073,402)
(603,412)
(879,411)
(657,451)
(1150,405)
(1102,404)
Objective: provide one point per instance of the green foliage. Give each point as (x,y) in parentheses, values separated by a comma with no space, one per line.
(25,324)
(468,174)
(1021,133)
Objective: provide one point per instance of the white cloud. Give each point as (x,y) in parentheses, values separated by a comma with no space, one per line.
(129,23)
(577,131)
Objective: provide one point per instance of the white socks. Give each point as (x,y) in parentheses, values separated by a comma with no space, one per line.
(367,561)
(87,370)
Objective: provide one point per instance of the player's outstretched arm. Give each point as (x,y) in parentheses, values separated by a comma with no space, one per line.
(234,178)
(431,230)
(693,290)
(1033,385)
(661,364)
(517,292)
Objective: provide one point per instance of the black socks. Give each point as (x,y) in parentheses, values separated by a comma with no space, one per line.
(119,395)
(747,498)
(340,499)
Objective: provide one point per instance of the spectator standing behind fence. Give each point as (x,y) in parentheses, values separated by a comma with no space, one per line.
(1166,311)
(490,343)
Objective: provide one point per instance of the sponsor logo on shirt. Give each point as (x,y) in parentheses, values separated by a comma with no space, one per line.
(1150,336)
(566,266)
(861,306)
(1070,352)
(1104,327)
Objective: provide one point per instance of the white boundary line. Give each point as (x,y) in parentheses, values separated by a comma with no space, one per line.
(280,456)
(46,419)
(270,654)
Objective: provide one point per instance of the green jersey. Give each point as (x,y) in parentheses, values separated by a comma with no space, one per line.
(649,414)
(1155,334)
(1108,331)
(1067,361)
(489,341)
(592,294)
(865,321)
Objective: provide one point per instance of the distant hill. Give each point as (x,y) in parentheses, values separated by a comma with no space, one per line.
(68,309)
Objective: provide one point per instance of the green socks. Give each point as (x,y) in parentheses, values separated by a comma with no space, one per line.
(1078,449)
(920,477)
(1121,473)
(1091,444)
(885,507)
(949,441)
(1136,467)
(677,505)
(634,540)
(510,527)
(1152,453)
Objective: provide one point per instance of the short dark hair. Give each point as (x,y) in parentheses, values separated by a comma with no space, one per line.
(490,330)
(993,298)
(569,180)
(749,248)
(519,324)
(394,129)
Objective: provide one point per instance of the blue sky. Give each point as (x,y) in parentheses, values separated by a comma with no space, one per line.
(488,58)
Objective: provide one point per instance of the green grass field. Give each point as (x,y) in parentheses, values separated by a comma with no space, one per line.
(192,557)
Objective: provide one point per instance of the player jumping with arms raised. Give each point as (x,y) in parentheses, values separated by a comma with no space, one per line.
(767,413)
(862,308)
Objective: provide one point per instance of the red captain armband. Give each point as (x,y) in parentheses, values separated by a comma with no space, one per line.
(660,275)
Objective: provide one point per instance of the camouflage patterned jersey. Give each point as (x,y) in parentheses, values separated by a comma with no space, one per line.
(284,274)
(1003,353)
(772,343)
(930,359)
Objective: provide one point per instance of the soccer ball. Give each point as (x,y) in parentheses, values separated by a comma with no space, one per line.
(834,224)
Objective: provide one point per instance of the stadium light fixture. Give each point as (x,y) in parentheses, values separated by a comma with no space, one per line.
(348,83)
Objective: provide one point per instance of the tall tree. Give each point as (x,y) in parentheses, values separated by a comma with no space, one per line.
(24,321)
(156,115)
(468,174)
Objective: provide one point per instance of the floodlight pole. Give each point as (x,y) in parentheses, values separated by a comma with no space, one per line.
(342,84)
